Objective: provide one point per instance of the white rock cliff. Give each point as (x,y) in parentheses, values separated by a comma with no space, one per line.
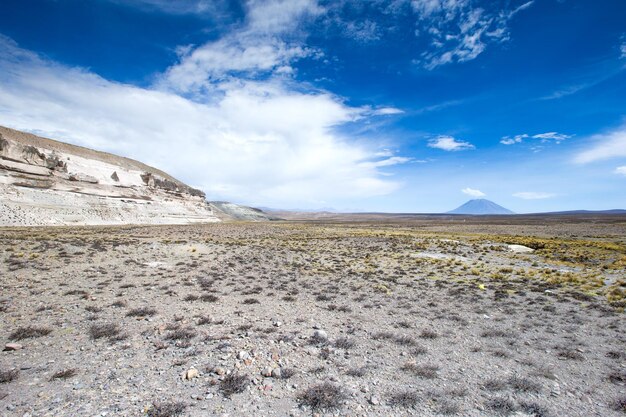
(45,182)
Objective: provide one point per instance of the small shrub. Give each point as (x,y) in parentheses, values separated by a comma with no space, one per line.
(181,334)
(141,312)
(324,396)
(429,334)
(423,371)
(500,405)
(167,409)
(344,343)
(494,333)
(8,376)
(448,408)
(406,399)
(523,385)
(357,372)
(64,374)
(617,377)
(419,350)
(82,293)
(234,383)
(404,340)
(494,384)
(109,330)
(533,409)
(317,339)
(209,298)
(619,404)
(251,301)
(29,332)
(570,355)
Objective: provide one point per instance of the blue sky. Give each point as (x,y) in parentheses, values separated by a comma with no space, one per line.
(397,105)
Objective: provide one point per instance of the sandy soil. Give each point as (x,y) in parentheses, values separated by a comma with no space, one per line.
(297,319)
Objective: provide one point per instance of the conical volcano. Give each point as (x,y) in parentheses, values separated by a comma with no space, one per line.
(480,207)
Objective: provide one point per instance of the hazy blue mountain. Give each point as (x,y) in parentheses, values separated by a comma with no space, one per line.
(480,206)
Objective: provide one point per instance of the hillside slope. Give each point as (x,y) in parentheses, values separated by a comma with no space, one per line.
(45,182)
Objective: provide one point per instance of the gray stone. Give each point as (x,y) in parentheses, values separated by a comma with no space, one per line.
(12,346)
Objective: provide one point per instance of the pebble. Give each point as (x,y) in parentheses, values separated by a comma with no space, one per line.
(220,371)
(243,355)
(374,400)
(12,346)
(267,371)
(277,373)
(191,374)
(320,334)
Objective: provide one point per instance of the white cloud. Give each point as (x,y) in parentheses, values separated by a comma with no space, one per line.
(256,141)
(448,143)
(507,140)
(621,170)
(533,195)
(604,146)
(459,30)
(386,111)
(545,137)
(557,137)
(394,160)
(623,50)
(472,192)
(200,7)
(257,48)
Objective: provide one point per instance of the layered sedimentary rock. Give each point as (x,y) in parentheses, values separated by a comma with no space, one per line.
(45,182)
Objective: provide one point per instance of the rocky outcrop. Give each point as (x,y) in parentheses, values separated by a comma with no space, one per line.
(45,182)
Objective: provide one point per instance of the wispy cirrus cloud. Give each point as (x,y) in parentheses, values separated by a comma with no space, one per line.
(387,111)
(552,136)
(460,30)
(197,7)
(621,170)
(604,146)
(556,137)
(449,143)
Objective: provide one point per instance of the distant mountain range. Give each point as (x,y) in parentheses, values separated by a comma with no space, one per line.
(480,207)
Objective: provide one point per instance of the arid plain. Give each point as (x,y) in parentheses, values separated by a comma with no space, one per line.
(466,316)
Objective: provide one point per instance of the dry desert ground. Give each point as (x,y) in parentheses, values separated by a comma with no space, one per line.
(432,317)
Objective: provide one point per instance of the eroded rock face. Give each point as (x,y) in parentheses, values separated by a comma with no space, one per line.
(44,182)
(152,180)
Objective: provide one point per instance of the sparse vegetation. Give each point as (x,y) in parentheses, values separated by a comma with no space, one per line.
(407,399)
(8,376)
(108,330)
(141,312)
(234,383)
(64,374)
(29,332)
(347,318)
(167,409)
(324,396)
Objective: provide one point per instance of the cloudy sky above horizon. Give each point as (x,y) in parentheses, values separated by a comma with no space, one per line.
(394,105)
